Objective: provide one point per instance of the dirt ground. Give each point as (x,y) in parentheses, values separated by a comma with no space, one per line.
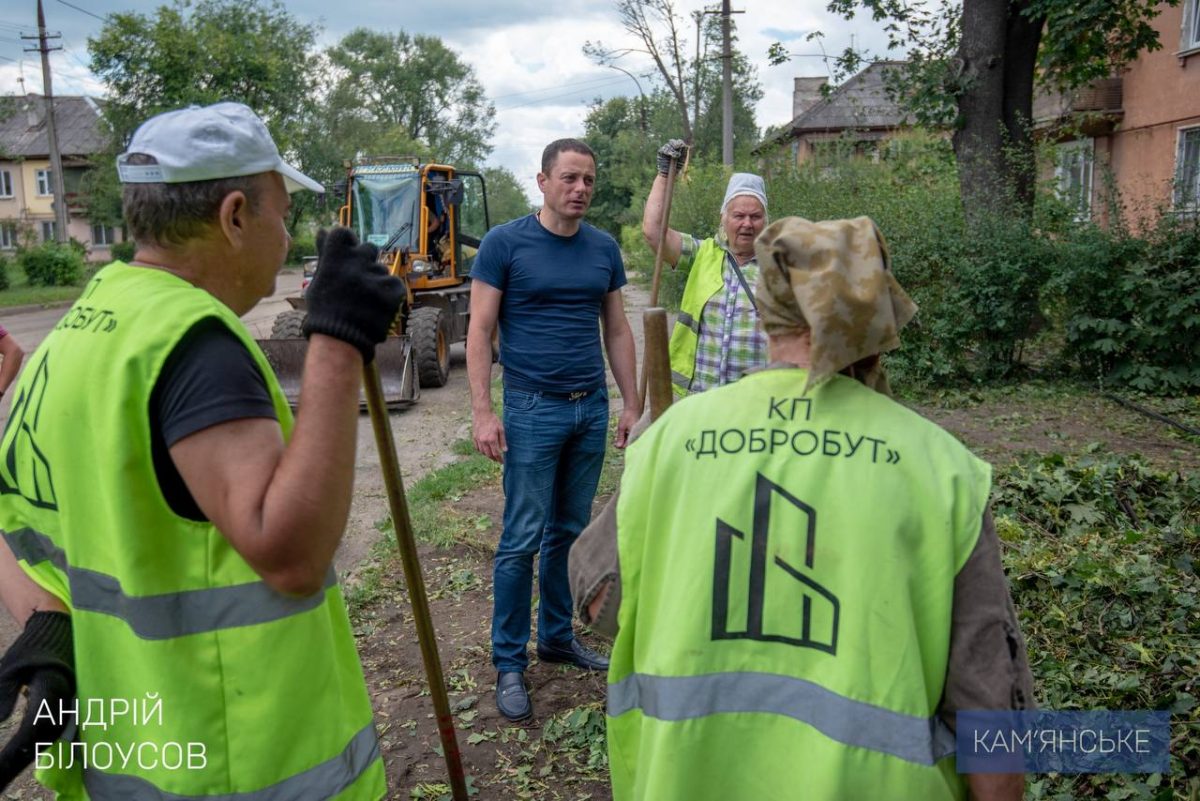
(557,754)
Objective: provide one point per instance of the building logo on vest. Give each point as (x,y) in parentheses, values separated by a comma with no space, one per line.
(25,470)
(774,600)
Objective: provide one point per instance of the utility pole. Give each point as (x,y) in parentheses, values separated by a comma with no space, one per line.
(56,173)
(727,84)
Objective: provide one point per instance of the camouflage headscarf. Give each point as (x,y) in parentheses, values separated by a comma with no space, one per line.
(834,279)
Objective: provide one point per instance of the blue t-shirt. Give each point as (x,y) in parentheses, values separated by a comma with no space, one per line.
(550,312)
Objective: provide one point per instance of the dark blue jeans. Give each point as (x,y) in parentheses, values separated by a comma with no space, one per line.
(551,470)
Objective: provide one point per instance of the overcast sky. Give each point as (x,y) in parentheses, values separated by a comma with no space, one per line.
(526,53)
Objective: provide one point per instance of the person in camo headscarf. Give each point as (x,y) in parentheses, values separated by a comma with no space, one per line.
(802,575)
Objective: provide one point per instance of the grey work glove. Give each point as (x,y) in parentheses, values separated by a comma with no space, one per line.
(42,659)
(674,150)
(352,297)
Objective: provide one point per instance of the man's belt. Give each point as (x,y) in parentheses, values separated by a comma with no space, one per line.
(571,396)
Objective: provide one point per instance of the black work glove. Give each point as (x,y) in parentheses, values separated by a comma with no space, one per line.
(42,659)
(352,297)
(674,150)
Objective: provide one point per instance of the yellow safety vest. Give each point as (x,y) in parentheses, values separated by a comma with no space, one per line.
(787,570)
(704,280)
(195,679)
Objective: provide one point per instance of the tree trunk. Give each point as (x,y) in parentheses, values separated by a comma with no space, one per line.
(1024,35)
(979,139)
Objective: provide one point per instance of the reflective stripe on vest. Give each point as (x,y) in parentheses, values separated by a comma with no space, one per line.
(318,782)
(672,698)
(172,614)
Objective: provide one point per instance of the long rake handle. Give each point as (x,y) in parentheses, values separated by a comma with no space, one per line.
(406,542)
(663,227)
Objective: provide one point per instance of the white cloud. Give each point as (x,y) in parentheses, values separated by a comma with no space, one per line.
(526,53)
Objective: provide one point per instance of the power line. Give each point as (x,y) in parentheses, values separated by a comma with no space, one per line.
(601,79)
(558,97)
(83,10)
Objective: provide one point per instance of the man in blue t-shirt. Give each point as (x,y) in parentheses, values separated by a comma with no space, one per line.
(547,279)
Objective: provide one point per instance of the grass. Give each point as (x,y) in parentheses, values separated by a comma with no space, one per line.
(21,293)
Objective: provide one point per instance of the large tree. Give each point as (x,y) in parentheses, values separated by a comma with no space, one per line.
(252,51)
(506,199)
(415,84)
(684,56)
(979,59)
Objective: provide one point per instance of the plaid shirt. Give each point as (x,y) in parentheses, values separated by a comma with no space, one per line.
(731,341)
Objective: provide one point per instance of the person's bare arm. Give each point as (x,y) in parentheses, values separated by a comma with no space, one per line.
(13,355)
(284,508)
(622,356)
(21,595)
(485,313)
(652,223)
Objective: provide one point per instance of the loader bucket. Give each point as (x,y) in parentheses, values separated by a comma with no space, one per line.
(394,358)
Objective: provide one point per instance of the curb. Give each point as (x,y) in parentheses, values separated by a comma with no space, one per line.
(34,307)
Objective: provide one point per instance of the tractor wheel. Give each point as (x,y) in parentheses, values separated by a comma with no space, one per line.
(430,344)
(289,325)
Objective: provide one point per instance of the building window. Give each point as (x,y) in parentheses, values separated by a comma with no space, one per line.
(6,184)
(43,183)
(1191,25)
(8,236)
(1187,171)
(1074,174)
(47,230)
(102,235)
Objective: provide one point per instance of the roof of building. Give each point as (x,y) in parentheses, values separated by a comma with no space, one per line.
(76,120)
(860,103)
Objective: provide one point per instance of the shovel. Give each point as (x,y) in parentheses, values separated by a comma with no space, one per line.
(664,226)
(394,483)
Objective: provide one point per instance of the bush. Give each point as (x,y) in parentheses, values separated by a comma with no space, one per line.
(304,245)
(1127,308)
(123,251)
(51,264)
(1130,307)
(5,263)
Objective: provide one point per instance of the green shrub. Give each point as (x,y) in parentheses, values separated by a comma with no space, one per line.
(51,264)
(304,244)
(1102,553)
(5,263)
(640,258)
(123,251)
(1130,308)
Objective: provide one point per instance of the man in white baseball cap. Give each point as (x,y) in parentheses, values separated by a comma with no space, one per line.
(717,338)
(155,492)
(224,140)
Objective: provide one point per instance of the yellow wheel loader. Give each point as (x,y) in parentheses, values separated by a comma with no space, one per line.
(427,221)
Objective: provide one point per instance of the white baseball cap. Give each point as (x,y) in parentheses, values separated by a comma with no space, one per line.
(224,140)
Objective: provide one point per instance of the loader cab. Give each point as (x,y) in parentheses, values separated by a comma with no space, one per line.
(426,219)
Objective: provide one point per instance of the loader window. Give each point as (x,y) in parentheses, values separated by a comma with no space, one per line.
(472,219)
(386,206)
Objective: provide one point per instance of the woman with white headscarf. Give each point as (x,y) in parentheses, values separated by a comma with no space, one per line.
(717,337)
